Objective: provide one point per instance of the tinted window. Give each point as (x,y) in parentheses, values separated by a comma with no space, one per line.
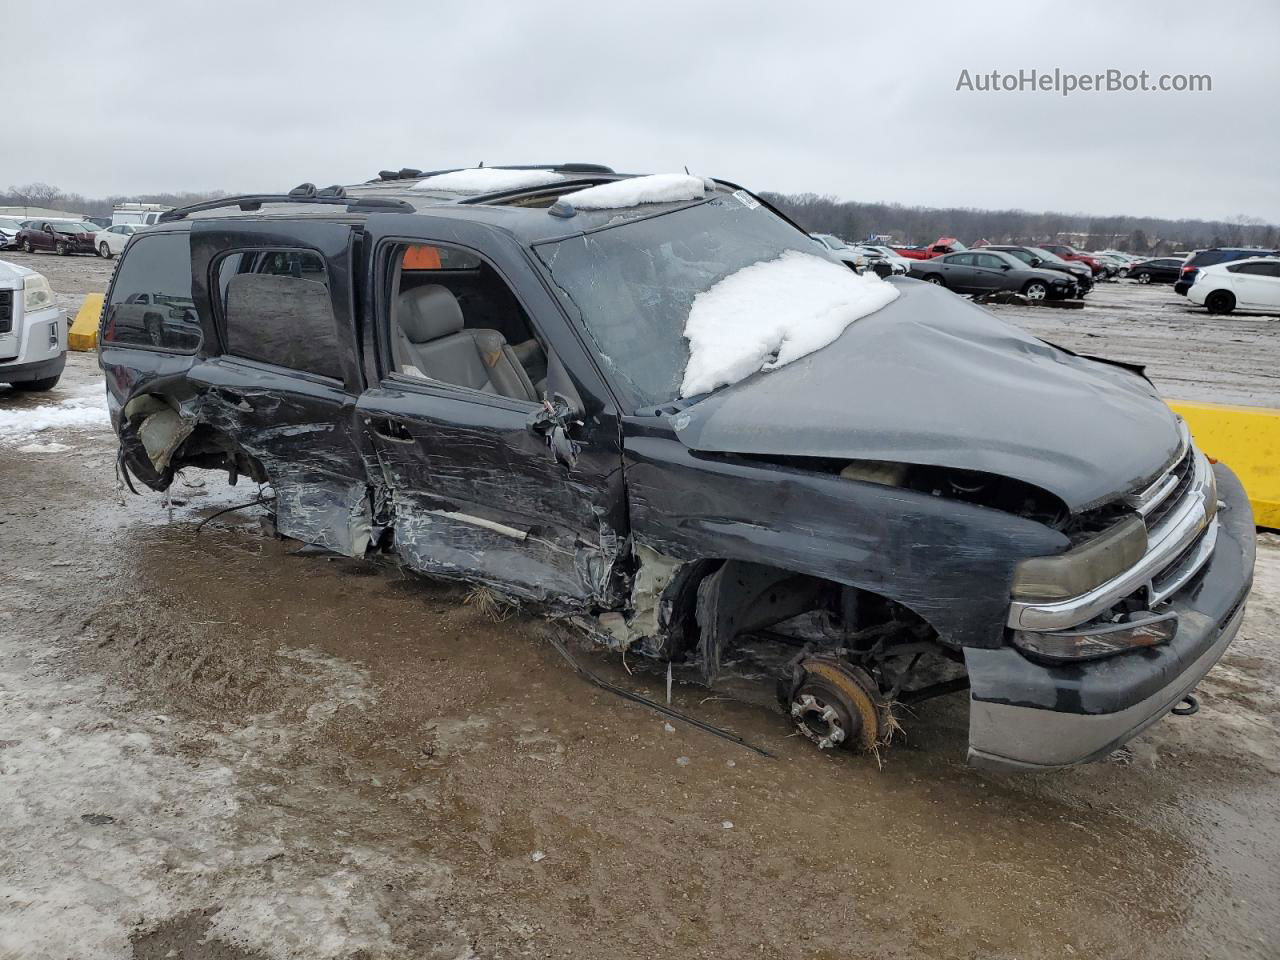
(151,302)
(959,259)
(989,261)
(276,309)
(1022,255)
(1257,269)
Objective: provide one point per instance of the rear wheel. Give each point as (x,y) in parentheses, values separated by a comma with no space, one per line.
(935,278)
(1220,301)
(60,248)
(1035,290)
(104,251)
(38,386)
(1144,277)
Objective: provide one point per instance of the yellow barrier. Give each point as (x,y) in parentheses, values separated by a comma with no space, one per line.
(84,331)
(1247,439)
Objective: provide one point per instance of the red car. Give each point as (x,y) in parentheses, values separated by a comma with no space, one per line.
(1071,253)
(936,249)
(58,236)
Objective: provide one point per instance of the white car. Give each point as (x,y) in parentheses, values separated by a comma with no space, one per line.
(841,250)
(111,240)
(896,261)
(9,227)
(33,330)
(1252,284)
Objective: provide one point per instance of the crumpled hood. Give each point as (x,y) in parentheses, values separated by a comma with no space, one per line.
(934,379)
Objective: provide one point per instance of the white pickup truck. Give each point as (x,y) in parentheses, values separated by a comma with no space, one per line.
(33,330)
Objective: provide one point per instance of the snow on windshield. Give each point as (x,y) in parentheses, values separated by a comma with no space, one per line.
(487,180)
(655,188)
(771,313)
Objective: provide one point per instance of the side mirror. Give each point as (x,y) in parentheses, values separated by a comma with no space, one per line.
(1036,261)
(562,410)
(560,388)
(1006,266)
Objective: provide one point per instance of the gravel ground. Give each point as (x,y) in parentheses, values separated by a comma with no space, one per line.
(214,744)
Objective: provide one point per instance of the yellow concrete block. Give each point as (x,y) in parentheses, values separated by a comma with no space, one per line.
(1247,439)
(84,330)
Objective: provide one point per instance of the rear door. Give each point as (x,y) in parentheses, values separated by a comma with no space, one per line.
(989,272)
(474,490)
(959,272)
(276,302)
(1257,285)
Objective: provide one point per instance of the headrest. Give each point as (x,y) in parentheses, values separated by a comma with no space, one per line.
(428,313)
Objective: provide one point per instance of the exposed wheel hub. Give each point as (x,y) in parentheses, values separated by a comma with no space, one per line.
(835,704)
(819,721)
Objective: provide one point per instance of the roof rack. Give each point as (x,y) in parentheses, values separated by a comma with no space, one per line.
(409,173)
(254,201)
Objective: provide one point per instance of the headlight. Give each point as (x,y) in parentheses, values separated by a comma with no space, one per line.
(1099,640)
(1081,569)
(36,293)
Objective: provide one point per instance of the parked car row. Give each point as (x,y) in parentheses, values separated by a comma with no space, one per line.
(987,270)
(65,237)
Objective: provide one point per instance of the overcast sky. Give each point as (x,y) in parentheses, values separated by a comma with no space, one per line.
(855,100)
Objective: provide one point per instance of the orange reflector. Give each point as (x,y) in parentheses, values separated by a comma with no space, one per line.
(419,257)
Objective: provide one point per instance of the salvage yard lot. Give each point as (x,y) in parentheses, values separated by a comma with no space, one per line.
(226,746)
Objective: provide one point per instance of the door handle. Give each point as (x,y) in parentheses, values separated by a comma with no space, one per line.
(391,430)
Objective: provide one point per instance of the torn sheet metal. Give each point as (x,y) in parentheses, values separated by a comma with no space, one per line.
(932,379)
(160,427)
(328,512)
(950,562)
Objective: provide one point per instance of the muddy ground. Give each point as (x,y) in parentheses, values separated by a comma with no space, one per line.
(215,744)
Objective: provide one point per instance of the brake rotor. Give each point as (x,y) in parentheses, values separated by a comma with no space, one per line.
(838,705)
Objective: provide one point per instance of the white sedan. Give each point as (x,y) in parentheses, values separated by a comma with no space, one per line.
(1252,284)
(110,241)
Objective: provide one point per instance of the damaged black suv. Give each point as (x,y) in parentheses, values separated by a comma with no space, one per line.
(476,374)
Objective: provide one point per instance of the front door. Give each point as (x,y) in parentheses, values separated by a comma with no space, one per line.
(476,493)
(276,299)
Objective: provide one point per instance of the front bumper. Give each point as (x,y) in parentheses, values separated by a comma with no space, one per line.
(1026,715)
(37,370)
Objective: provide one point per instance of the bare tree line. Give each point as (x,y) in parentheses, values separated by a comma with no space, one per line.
(852,220)
(51,197)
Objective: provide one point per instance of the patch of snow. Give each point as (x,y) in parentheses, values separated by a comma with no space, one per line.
(43,448)
(20,423)
(632,192)
(487,180)
(771,313)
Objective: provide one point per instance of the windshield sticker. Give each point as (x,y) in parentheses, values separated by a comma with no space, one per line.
(746,199)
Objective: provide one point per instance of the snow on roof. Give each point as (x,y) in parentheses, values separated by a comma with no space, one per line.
(771,313)
(487,180)
(656,188)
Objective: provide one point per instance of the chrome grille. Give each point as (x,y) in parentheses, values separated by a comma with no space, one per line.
(1180,510)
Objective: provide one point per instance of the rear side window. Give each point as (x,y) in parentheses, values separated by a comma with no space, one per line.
(276,309)
(151,303)
(1257,269)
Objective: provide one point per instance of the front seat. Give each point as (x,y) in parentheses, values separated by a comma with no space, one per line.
(431,342)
